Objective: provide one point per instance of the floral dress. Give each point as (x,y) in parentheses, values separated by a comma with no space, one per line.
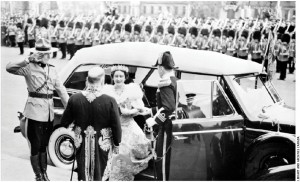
(135,148)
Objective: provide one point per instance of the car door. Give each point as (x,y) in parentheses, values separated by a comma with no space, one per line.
(208,134)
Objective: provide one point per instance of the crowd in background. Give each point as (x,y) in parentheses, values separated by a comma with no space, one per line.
(270,42)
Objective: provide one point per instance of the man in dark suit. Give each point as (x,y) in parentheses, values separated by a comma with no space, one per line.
(96,124)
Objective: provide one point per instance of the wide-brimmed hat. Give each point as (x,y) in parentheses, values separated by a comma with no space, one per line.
(44,46)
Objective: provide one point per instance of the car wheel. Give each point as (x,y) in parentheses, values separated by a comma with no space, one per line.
(266,156)
(61,149)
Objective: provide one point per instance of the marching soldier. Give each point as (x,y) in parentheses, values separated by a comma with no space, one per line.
(224,41)
(255,47)
(180,38)
(53,36)
(192,40)
(105,34)
(95,34)
(283,55)
(78,36)
(87,36)
(203,44)
(216,43)
(292,57)
(44,33)
(20,36)
(242,49)
(70,39)
(62,41)
(37,29)
(127,35)
(11,31)
(148,32)
(158,37)
(230,47)
(169,38)
(116,37)
(137,33)
(30,33)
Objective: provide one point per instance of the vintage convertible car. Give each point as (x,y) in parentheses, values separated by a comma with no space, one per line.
(230,122)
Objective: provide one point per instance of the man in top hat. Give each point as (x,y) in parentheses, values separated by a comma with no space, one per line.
(53,36)
(97,126)
(192,40)
(255,47)
(41,79)
(20,37)
(166,103)
(283,55)
(242,45)
(62,41)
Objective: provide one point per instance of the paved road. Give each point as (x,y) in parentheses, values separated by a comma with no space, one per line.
(15,152)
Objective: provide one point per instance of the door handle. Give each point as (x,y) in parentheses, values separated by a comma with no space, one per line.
(180,137)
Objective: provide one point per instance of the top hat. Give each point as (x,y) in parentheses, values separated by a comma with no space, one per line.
(194,31)
(160,29)
(43,46)
(166,60)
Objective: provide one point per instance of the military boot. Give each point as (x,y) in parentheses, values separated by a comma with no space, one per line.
(43,164)
(35,163)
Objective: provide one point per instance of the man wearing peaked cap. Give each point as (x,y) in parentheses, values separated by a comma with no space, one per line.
(166,102)
(40,76)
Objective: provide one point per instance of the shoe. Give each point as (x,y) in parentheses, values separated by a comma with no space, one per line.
(63,58)
(43,165)
(35,163)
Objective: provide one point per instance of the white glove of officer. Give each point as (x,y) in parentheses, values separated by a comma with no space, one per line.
(150,122)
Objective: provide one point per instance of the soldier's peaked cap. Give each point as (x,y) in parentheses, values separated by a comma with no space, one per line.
(286,38)
(166,60)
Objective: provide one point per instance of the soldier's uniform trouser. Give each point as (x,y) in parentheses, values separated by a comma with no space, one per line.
(38,134)
(283,67)
(243,57)
(12,39)
(259,61)
(71,49)
(63,49)
(31,43)
(278,65)
(90,45)
(291,64)
(21,46)
(163,150)
(54,44)
(78,47)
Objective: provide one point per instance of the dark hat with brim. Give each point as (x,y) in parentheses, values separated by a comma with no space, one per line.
(43,46)
(166,60)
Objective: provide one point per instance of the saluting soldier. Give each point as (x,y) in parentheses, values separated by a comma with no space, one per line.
(166,103)
(230,47)
(255,47)
(62,40)
(41,80)
(70,39)
(30,33)
(242,45)
(20,37)
(78,36)
(216,43)
(224,41)
(283,55)
(53,36)
(87,35)
(127,35)
(192,40)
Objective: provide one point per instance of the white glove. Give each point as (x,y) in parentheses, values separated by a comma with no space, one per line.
(150,122)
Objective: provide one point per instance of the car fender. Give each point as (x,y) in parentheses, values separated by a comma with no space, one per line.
(271,137)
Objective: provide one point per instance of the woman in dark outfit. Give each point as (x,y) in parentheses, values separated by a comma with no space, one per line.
(96,124)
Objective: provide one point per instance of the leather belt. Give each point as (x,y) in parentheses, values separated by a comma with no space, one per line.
(40,95)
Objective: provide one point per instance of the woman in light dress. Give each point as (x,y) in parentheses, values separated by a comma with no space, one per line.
(135,148)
